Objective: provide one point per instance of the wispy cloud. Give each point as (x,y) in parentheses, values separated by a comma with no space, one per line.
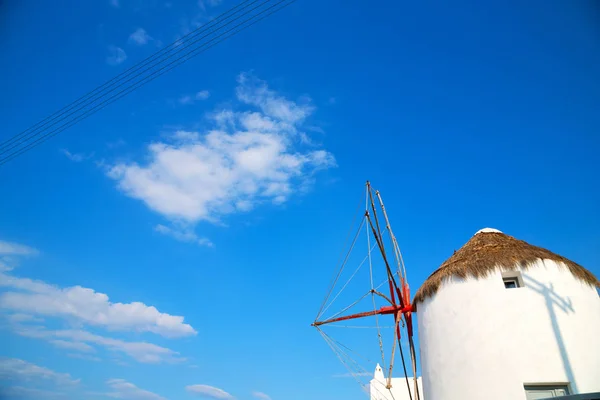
(210,3)
(28,393)
(245,159)
(20,370)
(209,391)
(352,375)
(116,55)
(84,357)
(186,235)
(10,252)
(115,3)
(261,396)
(191,99)
(186,99)
(139,37)
(256,92)
(202,95)
(140,351)
(15,249)
(121,389)
(23,318)
(117,143)
(78,346)
(76,157)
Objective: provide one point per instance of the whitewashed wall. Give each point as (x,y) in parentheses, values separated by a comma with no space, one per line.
(399,391)
(479,340)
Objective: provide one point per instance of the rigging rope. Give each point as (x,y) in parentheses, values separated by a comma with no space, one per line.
(346,284)
(349,307)
(356,370)
(340,354)
(321,311)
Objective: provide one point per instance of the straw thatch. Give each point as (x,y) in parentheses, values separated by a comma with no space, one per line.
(488,251)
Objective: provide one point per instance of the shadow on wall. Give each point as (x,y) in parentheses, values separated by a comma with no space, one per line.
(553,300)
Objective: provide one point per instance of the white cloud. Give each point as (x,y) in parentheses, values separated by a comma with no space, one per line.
(83,357)
(261,395)
(116,55)
(249,158)
(185,235)
(9,248)
(9,253)
(27,393)
(140,351)
(255,92)
(20,370)
(24,300)
(75,157)
(202,95)
(140,37)
(121,389)
(19,318)
(209,391)
(78,346)
(185,136)
(188,99)
(87,306)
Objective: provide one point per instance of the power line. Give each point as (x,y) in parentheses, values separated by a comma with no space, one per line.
(42,135)
(124,74)
(152,76)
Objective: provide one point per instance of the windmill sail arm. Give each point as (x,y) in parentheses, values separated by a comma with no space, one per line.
(382,311)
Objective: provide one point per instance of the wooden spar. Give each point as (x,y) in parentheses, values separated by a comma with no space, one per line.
(394,241)
(403,282)
(394,309)
(413,358)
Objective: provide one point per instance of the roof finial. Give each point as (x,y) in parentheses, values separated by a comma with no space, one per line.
(488,230)
(379,373)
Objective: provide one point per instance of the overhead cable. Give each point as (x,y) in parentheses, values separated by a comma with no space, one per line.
(180,51)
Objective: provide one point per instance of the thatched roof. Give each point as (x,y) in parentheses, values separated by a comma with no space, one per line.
(489,250)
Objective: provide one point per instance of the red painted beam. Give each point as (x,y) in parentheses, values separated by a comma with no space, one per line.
(382,311)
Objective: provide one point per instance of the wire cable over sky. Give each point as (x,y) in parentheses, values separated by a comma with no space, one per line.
(227,24)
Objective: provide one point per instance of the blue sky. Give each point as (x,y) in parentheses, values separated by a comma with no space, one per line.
(178,244)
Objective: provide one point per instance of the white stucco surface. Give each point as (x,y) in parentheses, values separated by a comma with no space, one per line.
(479,340)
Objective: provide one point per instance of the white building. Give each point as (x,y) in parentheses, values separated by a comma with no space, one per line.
(502,319)
(398,391)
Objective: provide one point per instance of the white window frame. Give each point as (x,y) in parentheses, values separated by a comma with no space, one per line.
(513,276)
(551,387)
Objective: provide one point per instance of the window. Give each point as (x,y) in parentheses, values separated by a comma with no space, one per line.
(545,391)
(510,283)
(512,279)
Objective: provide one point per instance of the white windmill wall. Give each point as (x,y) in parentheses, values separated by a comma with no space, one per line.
(480,340)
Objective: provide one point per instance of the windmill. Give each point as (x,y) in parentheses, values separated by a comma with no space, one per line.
(396,309)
